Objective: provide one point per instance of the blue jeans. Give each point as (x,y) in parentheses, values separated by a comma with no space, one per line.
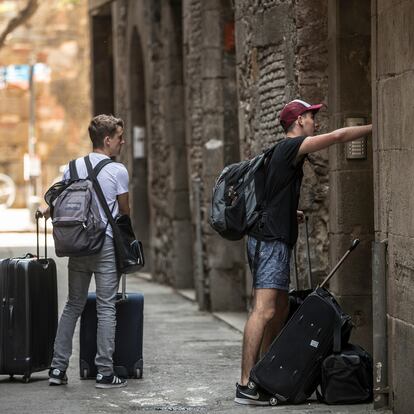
(103,266)
(273,267)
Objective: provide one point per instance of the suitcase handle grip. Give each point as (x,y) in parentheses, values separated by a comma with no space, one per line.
(354,245)
(38,214)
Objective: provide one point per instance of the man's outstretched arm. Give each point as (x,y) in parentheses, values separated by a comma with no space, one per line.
(319,142)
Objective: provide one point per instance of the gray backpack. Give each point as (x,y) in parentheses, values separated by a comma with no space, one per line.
(78,229)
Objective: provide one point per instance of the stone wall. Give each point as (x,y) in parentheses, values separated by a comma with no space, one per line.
(57,36)
(265,66)
(281,51)
(393,94)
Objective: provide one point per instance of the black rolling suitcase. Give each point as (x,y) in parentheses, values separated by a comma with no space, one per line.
(291,369)
(128,362)
(28,313)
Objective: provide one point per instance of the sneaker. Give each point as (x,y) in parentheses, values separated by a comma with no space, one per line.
(250,395)
(110,381)
(57,377)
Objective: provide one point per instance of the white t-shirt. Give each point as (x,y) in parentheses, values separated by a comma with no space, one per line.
(113,180)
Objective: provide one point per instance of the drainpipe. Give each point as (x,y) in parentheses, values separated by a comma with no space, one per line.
(379,313)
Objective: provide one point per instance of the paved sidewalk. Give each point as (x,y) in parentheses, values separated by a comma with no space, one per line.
(191,363)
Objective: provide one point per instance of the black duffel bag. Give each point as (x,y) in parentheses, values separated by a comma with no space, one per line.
(130,251)
(347,377)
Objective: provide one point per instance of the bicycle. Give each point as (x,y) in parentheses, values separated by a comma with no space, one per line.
(7,191)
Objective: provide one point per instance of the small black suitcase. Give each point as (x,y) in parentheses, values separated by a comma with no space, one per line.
(28,313)
(128,361)
(291,369)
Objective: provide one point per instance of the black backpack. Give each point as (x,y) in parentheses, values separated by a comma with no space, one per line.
(237,198)
(347,377)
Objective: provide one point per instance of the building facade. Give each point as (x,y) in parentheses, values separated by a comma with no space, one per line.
(54,40)
(200,85)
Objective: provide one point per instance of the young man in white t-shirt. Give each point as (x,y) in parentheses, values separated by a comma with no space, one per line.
(106,134)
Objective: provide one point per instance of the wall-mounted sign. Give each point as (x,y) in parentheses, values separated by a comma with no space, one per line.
(31,166)
(138,141)
(18,75)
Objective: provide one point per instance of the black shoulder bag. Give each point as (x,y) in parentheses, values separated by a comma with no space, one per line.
(129,252)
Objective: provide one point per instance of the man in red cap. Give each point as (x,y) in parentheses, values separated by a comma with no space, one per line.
(271,240)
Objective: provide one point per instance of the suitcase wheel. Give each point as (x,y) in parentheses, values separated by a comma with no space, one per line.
(26,378)
(273,401)
(138,373)
(85,373)
(11,377)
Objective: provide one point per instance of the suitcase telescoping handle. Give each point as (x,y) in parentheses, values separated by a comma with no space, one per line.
(308,258)
(38,214)
(353,246)
(124,297)
(308,253)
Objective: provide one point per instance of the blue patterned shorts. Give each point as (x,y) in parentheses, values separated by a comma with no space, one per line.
(273,270)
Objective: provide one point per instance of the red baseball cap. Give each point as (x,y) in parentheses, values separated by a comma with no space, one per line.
(293,109)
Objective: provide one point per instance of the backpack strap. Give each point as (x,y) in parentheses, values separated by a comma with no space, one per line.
(100,165)
(101,197)
(98,190)
(73,172)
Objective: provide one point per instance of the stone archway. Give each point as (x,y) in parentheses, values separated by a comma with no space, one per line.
(139,145)
(102,58)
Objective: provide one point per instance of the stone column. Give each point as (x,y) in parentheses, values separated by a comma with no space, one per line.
(351,181)
(174,112)
(212,136)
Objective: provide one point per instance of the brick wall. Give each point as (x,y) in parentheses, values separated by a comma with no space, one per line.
(282,55)
(56,35)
